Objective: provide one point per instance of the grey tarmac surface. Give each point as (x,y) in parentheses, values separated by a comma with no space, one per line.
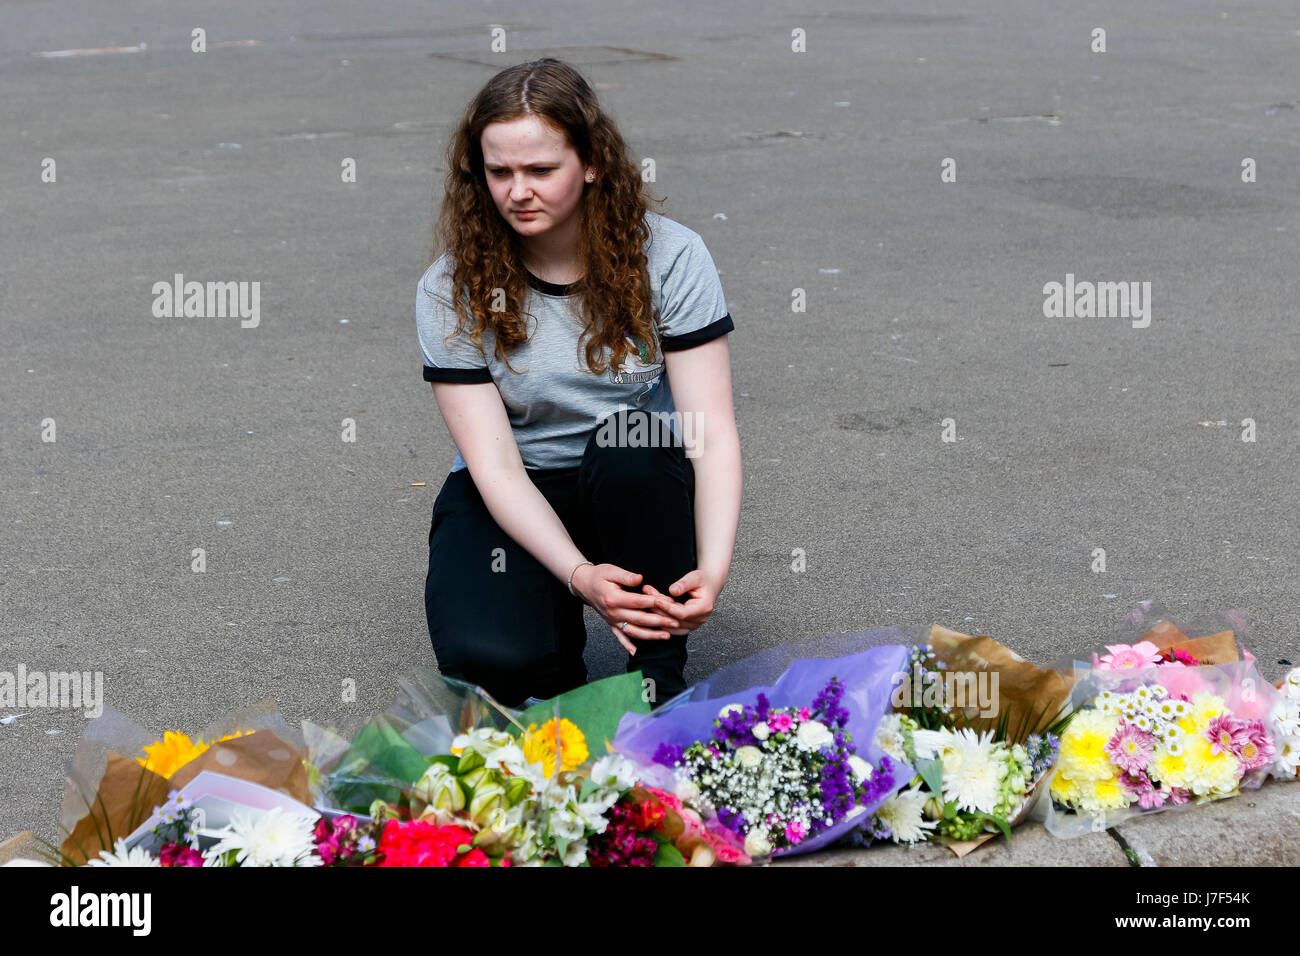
(817,171)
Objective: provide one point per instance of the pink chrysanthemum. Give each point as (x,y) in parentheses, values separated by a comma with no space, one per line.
(1131,748)
(1226,734)
(1123,657)
(795,832)
(1178,795)
(1258,749)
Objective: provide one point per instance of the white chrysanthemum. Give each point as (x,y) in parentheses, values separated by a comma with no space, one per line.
(1159,691)
(904,814)
(972,771)
(270,838)
(1143,693)
(121,856)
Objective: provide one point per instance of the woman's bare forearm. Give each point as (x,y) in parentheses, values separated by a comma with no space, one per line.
(524,513)
(718,485)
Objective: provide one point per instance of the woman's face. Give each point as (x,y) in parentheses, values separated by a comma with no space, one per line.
(530,167)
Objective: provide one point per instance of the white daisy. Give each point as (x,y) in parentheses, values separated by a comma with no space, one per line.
(1287,760)
(1291,684)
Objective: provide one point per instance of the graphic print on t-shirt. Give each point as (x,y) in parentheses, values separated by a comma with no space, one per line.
(638,367)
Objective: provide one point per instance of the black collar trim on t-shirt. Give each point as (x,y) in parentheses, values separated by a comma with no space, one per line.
(551,288)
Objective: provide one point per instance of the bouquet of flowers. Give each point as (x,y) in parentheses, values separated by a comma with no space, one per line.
(502,792)
(976,775)
(779,775)
(1159,735)
(788,767)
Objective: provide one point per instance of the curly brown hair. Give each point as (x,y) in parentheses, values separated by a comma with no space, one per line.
(487,251)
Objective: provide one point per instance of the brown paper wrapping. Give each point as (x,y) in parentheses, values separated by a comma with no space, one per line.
(1029,696)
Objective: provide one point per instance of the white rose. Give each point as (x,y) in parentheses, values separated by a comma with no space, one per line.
(761,731)
(813,735)
(731,709)
(749,757)
(861,769)
(756,844)
(687,791)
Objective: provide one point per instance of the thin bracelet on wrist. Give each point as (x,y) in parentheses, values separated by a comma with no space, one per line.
(572,573)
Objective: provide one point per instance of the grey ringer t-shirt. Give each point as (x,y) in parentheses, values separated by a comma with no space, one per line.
(555,402)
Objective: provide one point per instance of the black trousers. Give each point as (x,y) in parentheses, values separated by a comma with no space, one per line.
(500,619)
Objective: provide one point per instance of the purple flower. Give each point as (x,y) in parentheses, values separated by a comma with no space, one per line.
(667,754)
(733,820)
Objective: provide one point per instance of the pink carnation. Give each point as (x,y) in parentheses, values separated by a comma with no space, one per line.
(1123,657)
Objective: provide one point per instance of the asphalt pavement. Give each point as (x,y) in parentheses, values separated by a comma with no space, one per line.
(820,171)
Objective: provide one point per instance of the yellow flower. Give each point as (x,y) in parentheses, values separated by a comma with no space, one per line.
(1205,707)
(174,751)
(1210,773)
(1172,770)
(1064,788)
(1105,795)
(539,745)
(1083,745)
